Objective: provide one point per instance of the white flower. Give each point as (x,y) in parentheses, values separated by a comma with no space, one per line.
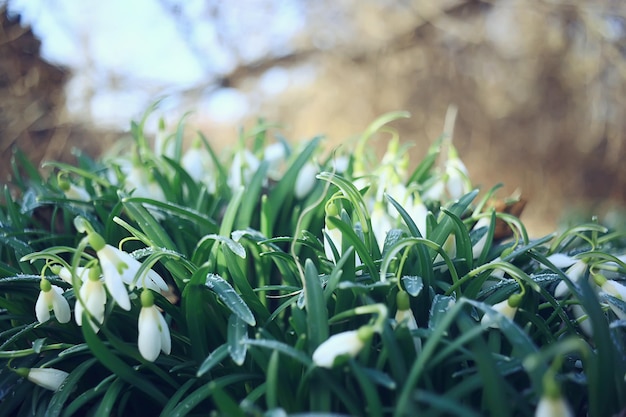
(575,272)
(504,308)
(561,261)
(381,224)
(48,378)
(66,275)
(478,247)
(275,155)
(73,192)
(581,317)
(333,235)
(94,297)
(199,165)
(347,343)
(341,164)
(553,407)
(154,335)
(616,290)
(436,191)
(50,298)
(407,318)
(243,168)
(119,268)
(305,181)
(418,212)
(141,183)
(458,183)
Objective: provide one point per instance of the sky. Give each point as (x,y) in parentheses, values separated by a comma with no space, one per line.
(126,54)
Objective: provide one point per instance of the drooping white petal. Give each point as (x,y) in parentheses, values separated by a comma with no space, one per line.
(48,378)
(41,308)
(154,335)
(93,295)
(407,318)
(52,300)
(502,308)
(75,192)
(60,305)
(478,247)
(345,343)
(335,236)
(153,281)
(615,289)
(561,261)
(305,181)
(575,272)
(166,340)
(114,270)
(66,275)
(553,407)
(381,224)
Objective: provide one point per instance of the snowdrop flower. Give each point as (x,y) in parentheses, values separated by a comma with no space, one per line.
(154,335)
(552,403)
(243,168)
(506,308)
(340,345)
(561,261)
(275,155)
(405,317)
(436,192)
(94,297)
(381,223)
(48,378)
(341,164)
(305,181)
(199,165)
(72,191)
(50,298)
(142,184)
(478,247)
(458,183)
(119,268)
(412,204)
(575,272)
(553,407)
(449,246)
(332,234)
(614,289)
(66,275)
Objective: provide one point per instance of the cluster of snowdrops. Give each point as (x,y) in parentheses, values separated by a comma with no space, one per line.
(281,278)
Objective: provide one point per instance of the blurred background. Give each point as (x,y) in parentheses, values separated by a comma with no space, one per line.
(540,85)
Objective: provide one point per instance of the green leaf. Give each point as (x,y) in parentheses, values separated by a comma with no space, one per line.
(317,313)
(282,348)
(118,366)
(218,355)
(192,400)
(111,397)
(413,285)
(230,298)
(439,309)
(285,186)
(251,200)
(237,335)
(58,400)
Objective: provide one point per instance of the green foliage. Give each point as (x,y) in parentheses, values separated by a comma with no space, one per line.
(272,254)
